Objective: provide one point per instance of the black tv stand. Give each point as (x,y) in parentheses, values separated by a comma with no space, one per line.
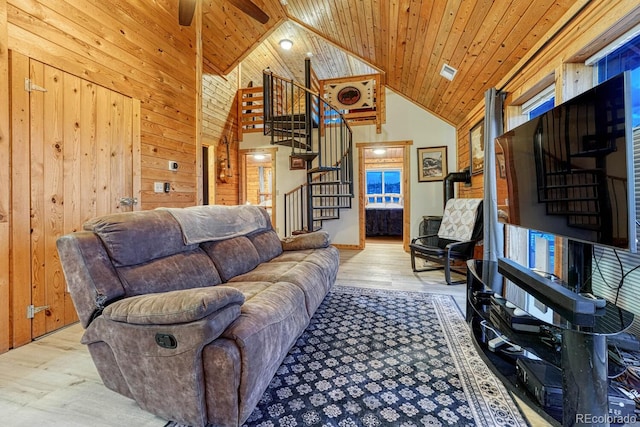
(581,351)
(558,296)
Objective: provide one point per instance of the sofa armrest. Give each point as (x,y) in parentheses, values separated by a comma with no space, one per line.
(313,240)
(173,307)
(154,343)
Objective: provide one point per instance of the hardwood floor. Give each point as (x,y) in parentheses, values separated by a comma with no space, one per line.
(53,382)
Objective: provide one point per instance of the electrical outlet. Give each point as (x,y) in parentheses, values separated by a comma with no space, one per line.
(158,187)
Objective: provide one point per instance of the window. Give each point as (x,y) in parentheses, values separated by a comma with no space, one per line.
(541,246)
(541,251)
(621,57)
(541,103)
(609,265)
(383,186)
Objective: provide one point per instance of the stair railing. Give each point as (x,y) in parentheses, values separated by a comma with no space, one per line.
(317,133)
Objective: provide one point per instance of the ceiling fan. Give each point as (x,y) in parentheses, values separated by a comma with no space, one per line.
(186,8)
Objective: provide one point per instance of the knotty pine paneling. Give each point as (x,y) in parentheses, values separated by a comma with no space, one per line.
(218,107)
(229,34)
(227,190)
(219,121)
(410,40)
(598,18)
(78,165)
(136,48)
(5,183)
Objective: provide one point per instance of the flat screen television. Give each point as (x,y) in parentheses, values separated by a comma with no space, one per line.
(570,171)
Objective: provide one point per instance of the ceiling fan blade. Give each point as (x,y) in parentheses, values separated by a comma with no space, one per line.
(185,11)
(248,7)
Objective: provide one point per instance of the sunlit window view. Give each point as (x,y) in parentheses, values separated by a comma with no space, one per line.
(383,186)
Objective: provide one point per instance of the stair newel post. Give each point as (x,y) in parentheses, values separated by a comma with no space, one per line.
(291,114)
(309,210)
(308,107)
(308,111)
(267,96)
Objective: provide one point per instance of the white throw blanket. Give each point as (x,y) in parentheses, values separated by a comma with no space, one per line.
(215,222)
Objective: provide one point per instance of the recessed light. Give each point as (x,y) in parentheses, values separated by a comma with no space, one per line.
(286,44)
(379,151)
(259,156)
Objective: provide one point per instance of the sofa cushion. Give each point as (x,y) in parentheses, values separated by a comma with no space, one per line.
(272,318)
(184,270)
(309,277)
(173,307)
(232,256)
(314,240)
(137,237)
(267,244)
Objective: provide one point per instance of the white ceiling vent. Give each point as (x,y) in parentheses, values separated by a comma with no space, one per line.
(448,72)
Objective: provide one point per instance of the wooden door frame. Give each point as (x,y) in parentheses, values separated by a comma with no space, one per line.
(406,187)
(5,183)
(20,285)
(242,153)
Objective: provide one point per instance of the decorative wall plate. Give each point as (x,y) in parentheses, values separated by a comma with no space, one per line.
(351,95)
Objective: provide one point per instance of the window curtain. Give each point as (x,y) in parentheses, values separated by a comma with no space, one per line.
(493,231)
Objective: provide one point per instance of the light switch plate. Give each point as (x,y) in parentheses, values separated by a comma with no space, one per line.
(158,187)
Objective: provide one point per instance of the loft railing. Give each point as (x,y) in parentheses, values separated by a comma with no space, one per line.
(292,116)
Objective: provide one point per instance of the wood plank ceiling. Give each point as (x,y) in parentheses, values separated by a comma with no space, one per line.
(407,40)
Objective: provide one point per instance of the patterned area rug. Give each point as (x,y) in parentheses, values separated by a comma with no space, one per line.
(385,358)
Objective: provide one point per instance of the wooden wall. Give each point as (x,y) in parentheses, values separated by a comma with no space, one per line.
(135,48)
(219,111)
(392,159)
(5,184)
(585,29)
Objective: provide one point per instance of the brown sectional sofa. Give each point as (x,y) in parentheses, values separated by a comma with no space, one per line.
(190,312)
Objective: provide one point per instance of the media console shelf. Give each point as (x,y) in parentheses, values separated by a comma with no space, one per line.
(564,331)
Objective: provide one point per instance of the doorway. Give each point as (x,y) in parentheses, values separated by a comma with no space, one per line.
(384,192)
(258,179)
(72,157)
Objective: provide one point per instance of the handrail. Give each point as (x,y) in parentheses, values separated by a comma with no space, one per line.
(319,136)
(311,92)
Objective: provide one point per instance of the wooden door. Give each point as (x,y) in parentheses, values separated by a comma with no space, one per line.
(72,160)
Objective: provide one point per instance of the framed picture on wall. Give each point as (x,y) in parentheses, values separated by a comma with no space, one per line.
(432,164)
(296,163)
(476,147)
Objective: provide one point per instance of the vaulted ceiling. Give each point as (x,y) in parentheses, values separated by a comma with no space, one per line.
(406,40)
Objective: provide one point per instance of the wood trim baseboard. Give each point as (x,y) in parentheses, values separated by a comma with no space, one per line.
(353,247)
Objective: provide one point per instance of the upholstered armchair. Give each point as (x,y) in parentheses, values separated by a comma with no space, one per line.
(460,230)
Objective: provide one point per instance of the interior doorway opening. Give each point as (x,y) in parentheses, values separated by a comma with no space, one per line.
(384,192)
(258,179)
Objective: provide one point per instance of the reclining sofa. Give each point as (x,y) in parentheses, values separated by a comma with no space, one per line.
(191,311)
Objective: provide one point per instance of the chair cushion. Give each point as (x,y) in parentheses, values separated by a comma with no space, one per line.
(459,219)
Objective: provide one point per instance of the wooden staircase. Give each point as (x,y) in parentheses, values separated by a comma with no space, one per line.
(295,116)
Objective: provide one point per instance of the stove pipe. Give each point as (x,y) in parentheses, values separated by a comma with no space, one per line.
(453,177)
